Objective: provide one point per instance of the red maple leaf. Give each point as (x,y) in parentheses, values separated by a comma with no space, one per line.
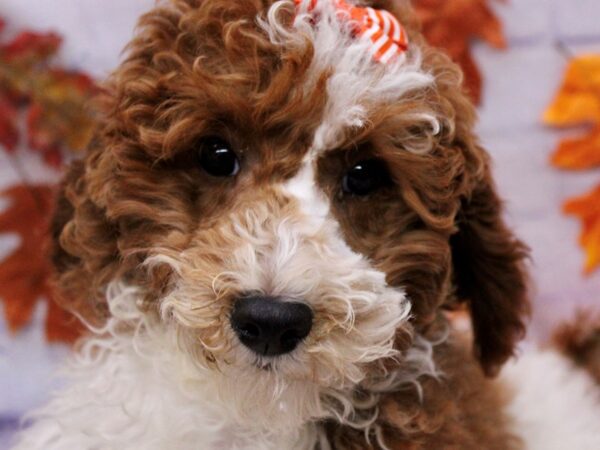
(31,47)
(52,99)
(454,25)
(25,274)
(9,134)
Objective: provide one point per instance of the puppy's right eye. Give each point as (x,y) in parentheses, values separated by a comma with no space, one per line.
(217,158)
(366,177)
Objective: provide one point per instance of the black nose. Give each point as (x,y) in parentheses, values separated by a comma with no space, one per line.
(270,326)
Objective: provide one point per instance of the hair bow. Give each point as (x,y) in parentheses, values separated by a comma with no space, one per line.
(387,36)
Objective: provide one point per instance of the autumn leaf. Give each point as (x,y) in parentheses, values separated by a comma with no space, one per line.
(578,99)
(57,119)
(454,25)
(577,103)
(9,134)
(53,100)
(587,208)
(25,274)
(578,153)
(29,48)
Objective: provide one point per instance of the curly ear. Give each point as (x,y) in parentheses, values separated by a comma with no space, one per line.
(64,212)
(488,262)
(489,273)
(83,248)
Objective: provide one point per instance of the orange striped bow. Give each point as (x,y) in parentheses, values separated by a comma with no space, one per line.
(387,36)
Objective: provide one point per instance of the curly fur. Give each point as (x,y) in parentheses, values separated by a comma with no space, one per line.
(152,252)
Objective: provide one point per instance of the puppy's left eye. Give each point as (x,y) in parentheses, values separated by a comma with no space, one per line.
(217,158)
(366,177)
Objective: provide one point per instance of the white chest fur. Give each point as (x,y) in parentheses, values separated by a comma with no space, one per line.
(121,400)
(555,406)
(126,393)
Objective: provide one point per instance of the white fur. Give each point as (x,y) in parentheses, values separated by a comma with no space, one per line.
(131,392)
(294,256)
(303,188)
(555,406)
(131,386)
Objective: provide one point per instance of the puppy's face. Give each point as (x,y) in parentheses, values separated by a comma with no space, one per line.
(290,207)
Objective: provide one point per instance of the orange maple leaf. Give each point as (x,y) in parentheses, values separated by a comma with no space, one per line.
(587,208)
(453,25)
(578,153)
(25,274)
(578,103)
(578,99)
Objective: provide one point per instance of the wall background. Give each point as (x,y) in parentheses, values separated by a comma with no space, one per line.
(519,83)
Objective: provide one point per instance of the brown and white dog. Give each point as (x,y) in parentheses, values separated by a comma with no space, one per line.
(265,237)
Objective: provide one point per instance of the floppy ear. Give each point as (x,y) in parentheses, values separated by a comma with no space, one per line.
(489,274)
(488,262)
(83,248)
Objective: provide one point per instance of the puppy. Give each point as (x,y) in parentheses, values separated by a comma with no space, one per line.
(282,202)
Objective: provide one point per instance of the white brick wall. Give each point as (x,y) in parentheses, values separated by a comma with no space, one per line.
(519,83)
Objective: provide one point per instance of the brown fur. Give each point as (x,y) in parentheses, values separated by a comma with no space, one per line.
(580,341)
(203,67)
(460,411)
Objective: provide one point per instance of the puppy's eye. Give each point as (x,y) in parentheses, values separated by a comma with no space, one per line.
(366,177)
(217,158)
